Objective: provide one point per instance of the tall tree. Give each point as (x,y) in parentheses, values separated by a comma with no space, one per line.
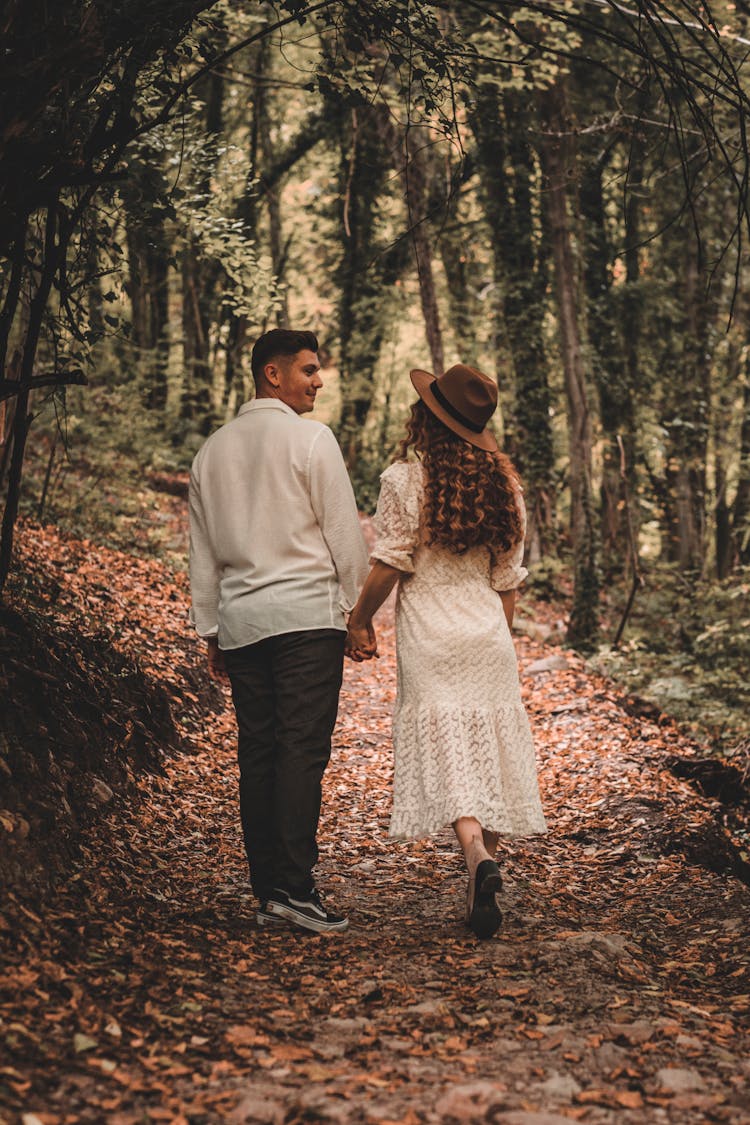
(149,251)
(415,171)
(558,156)
(612,367)
(503,127)
(200,277)
(740,512)
(364,273)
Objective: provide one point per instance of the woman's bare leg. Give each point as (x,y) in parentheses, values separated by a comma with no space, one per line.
(490,842)
(484,917)
(471,838)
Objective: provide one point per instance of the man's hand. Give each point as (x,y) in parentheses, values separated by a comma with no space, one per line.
(216,667)
(361,643)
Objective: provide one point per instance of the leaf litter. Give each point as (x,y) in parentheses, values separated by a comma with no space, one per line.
(139,988)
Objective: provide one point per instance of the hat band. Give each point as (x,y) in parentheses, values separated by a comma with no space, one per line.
(455,414)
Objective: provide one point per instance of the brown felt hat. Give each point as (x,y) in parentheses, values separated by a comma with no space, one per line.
(463,399)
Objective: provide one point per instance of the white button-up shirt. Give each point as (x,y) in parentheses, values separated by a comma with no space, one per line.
(275,540)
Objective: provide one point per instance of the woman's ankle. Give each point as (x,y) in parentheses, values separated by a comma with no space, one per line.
(474,855)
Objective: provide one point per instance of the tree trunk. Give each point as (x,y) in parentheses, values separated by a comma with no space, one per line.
(199,284)
(458,271)
(196,326)
(272,197)
(741,505)
(247,212)
(8,415)
(611,367)
(414,172)
(632,296)
(558,158)
(723,521)
(508,171)
(16,255)
(365,276)
(148,255)
(687,416)
(55,245)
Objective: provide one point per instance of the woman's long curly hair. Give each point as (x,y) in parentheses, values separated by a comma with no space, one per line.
(470,493)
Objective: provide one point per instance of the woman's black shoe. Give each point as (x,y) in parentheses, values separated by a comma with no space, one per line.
(485,917)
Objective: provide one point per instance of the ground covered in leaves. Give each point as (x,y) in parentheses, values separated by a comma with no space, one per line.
(138,988)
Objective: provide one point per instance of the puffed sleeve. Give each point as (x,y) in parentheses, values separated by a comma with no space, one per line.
(508,571)
(397,518)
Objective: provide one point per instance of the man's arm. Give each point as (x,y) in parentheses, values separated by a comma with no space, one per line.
(205,576)
(336,511)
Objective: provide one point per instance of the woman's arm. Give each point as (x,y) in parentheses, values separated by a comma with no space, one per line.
(508,598)
(360,642)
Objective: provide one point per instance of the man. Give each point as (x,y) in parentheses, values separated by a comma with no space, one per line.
(276,561)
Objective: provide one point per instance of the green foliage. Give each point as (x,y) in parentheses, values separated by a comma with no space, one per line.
(240,217)
(365,477)
(106,447)
(547,579)
(687,648)
(536,47)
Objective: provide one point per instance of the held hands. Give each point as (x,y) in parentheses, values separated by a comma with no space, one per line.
(361,642)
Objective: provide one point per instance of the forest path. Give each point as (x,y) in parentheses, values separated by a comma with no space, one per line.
(616,991)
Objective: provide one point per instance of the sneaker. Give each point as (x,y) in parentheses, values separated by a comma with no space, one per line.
(264,918)
(306,911)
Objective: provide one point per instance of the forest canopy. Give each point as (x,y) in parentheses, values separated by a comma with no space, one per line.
(555,193)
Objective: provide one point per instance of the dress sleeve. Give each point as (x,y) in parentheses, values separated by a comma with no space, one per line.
(396,519)
(507,571)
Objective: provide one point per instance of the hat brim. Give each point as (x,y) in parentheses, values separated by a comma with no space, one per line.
(422,381)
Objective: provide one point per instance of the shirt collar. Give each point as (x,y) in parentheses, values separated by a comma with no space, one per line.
(266,404)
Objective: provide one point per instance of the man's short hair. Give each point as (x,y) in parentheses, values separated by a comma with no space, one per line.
(278,342)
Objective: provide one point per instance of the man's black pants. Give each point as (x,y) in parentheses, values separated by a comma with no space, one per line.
(286,693)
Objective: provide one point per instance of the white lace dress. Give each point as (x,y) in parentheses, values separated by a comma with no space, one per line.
(462,743)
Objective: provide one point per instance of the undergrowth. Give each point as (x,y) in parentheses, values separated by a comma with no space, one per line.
(686,648)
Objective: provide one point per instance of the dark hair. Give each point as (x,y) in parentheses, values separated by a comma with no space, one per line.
(279,341)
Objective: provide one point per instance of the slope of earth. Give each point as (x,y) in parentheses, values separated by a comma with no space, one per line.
(143,990)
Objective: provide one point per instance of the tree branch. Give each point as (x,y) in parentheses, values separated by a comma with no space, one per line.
(11,387)
(312,131)
(163,115)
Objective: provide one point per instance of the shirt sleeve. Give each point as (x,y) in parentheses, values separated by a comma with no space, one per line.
(507,571)
(396,521)
(205,570)
(335,508)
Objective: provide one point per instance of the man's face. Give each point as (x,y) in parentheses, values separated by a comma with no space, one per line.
(296,380)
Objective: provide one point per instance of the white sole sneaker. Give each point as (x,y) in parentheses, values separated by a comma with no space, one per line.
(305,914)
(263,918)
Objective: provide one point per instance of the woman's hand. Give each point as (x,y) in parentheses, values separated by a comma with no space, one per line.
(361,642)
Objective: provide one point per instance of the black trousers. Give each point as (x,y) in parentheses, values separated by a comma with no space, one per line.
(286,692)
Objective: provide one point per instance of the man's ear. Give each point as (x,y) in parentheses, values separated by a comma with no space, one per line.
(271,374)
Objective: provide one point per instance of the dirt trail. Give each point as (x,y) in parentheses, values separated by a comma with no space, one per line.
(617,990)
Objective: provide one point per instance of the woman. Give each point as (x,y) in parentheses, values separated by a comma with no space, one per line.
(451,531)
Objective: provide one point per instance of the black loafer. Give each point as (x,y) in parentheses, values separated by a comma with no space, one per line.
(485,917)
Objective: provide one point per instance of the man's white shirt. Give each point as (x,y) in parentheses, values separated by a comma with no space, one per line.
(275,540)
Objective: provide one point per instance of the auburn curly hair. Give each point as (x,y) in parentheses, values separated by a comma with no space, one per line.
(470,493)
